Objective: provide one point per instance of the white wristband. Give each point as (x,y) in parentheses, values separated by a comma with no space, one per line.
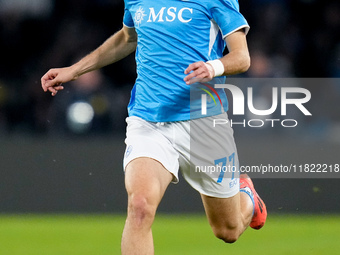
(217,66)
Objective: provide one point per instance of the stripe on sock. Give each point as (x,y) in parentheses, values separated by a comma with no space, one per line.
(248,191)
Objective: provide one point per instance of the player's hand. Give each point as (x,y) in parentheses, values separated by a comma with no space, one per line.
(52,81)
(199,72)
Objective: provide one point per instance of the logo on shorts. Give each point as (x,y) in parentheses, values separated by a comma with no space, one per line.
(204,98)
(128,151)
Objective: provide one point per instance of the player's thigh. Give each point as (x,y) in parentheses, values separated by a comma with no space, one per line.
(223,212)
(146,179)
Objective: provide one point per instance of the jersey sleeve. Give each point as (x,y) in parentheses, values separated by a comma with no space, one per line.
(227,16)
(127,19)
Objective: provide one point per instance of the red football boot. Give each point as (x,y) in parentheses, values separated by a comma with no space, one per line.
(260,210)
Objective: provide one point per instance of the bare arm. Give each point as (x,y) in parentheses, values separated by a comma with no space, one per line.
(118,46)
(236,61)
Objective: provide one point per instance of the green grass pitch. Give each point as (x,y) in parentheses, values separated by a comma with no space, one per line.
(173,234)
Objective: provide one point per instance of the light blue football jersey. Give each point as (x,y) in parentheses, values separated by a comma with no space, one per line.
(173,34)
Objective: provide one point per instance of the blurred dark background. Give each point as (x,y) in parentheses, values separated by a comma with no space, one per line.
(287,39)
(65,153)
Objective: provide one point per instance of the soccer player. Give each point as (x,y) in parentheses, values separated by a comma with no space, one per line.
(179,54)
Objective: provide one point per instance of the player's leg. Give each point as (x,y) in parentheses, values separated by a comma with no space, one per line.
(146,181)
(230,210)
(150,164)
(228,217)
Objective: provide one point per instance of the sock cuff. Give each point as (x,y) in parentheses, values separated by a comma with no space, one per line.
(248,191)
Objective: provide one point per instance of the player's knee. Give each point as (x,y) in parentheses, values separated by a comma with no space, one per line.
(140,210)
(228,235)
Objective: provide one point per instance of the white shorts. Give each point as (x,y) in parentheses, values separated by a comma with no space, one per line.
(203,150)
